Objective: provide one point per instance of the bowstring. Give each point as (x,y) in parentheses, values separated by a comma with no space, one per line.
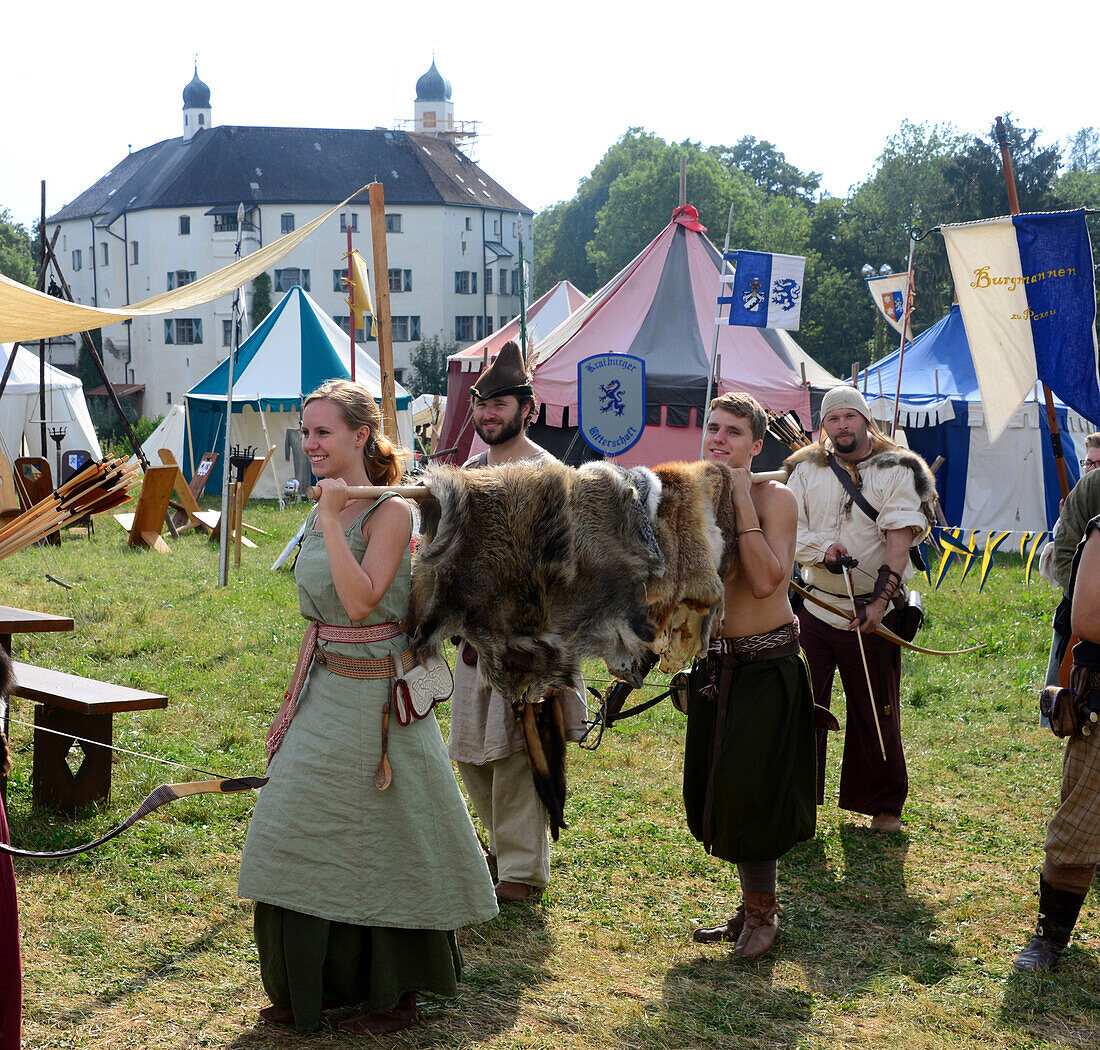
(121,750)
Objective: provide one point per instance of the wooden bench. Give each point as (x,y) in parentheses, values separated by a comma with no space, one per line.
(82,707)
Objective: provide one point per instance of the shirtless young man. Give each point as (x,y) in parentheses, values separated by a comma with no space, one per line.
(750,753)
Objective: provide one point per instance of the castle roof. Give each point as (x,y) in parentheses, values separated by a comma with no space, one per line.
(224,165)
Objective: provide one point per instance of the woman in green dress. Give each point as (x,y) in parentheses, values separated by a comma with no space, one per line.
(358,887)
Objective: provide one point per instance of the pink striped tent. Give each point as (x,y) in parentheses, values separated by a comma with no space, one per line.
(662,308)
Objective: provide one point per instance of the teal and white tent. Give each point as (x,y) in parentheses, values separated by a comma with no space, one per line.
(293,351)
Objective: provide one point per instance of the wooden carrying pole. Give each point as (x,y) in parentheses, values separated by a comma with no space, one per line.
(423,492)
(1014,208)
(382,308)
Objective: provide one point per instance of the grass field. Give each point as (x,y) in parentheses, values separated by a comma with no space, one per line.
(900,941)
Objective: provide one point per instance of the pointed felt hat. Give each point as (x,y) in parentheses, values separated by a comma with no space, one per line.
(506,375)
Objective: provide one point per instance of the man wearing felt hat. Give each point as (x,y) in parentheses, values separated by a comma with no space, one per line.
(486,741)
(862,497)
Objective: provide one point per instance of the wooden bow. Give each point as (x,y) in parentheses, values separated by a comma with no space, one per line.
(885,632)
(161,796)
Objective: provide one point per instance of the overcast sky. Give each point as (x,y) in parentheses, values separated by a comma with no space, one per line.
(551,85)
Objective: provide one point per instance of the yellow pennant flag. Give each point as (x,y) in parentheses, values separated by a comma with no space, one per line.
(1024,538)
(951,540)
(360,304)
(971,552)
(1031,557)
(991,544)
(945,561)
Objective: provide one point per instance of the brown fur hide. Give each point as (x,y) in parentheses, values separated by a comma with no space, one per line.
(696,532)
(538,566)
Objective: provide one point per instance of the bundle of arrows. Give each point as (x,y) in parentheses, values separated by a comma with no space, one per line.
(788,429)
(97,488)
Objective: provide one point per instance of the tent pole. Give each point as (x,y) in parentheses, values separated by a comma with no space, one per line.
(267,439)
(717,330)
(223,532)
(1001,134)
(904,333)
(382,307)
(351,319)
(524,348)
(42,342)
(190,436)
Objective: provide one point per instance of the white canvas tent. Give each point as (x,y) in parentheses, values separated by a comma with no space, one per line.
(170,434)
(295,349)
(21,413)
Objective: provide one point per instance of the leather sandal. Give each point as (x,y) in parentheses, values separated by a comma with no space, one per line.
(514,892)
(730,931)
(761,925)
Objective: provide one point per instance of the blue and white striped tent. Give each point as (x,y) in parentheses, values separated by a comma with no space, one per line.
(293,351)
(1011,485)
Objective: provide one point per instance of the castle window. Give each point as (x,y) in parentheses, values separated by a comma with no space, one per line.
(286,222)
(393,223)
(183,330)
(354,222)
(178,278)
(401,280)
(185,225)
(405,329)
(133,253)
(78,259)
(464,329)
(287,278)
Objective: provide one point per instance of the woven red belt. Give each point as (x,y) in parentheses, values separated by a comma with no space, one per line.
(325,632)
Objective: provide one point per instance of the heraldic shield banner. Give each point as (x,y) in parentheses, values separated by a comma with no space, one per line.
(611,401)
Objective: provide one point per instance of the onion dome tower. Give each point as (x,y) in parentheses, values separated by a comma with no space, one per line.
(433,109)
(196,106)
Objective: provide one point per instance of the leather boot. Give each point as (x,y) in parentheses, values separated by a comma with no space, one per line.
(761,925)
(729,931)
(1058,911)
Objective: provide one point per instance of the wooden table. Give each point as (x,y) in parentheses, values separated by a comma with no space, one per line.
(24,621)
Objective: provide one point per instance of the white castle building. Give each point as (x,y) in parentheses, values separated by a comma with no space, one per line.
(167,215)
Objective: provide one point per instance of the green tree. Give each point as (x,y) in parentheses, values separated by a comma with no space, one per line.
(768,168)
(261,300)
(1082,152)
(429,366)
(561,241)
(641,201)
(18,251)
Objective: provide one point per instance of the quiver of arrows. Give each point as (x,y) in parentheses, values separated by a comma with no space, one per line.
(97,488)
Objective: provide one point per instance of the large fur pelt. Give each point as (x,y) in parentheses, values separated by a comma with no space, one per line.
(540,566)
(884,454)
